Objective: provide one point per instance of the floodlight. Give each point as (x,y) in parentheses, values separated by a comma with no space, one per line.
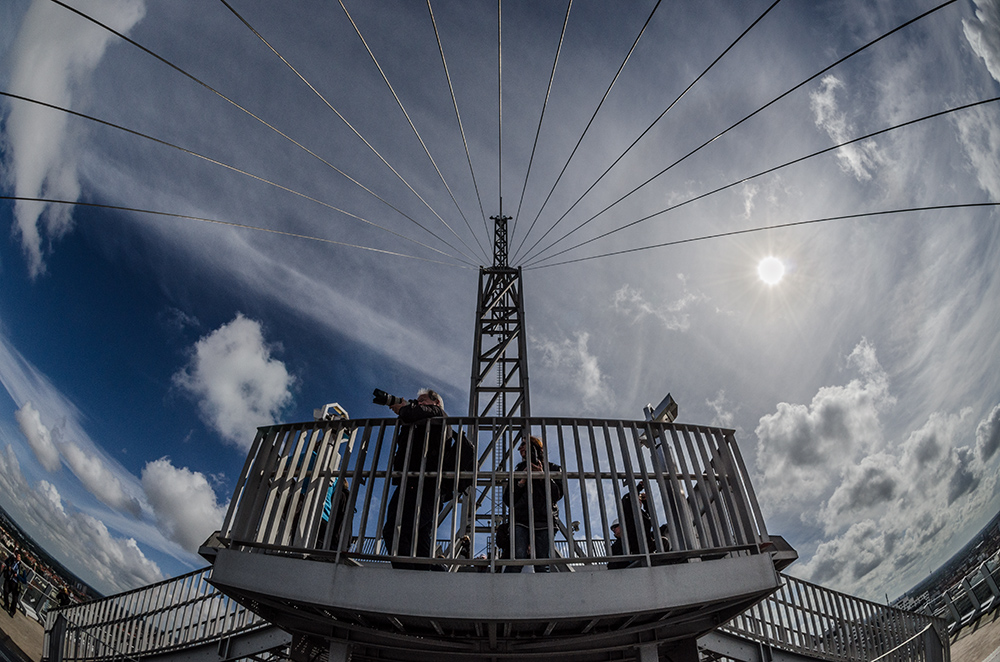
(665,412)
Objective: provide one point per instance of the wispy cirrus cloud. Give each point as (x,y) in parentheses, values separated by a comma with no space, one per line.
(858,159)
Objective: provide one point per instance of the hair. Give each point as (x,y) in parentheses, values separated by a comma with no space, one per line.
(433,395)
(536,441)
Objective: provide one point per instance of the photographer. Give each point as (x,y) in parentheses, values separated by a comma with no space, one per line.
(420,438)
(534,517)
(629,516)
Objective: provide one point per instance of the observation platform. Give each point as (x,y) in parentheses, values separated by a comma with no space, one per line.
(706,556)
(286,584)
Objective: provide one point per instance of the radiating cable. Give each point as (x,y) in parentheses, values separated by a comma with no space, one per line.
(224,165)
(242,226)
(654,122)
(541,117)
(255,117)
(776,226)
(500,103)
(762,108)
(458,116)
(350,126)
(416,133)
(590,122)
(773,169)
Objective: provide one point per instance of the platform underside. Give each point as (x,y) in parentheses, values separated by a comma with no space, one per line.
(407,615)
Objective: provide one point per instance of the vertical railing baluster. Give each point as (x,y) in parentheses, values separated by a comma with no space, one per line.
(581,466)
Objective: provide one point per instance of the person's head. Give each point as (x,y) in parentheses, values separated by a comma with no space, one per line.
(616,529)
(426,396)
(537,450)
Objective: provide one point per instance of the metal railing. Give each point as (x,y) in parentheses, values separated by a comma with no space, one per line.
(178,613)
(696,494)
(38,595)
(821,623)
(969,598)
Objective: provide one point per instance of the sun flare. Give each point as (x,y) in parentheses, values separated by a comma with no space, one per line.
(771,270)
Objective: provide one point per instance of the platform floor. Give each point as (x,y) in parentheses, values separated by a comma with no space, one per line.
(22,635)
(978,641)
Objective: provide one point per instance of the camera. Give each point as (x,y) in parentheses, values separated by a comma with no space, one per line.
(380,397)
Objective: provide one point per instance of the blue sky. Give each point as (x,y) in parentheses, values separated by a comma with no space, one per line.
(139,352)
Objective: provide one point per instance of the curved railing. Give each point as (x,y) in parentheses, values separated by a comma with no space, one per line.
(298,477)
(174,614)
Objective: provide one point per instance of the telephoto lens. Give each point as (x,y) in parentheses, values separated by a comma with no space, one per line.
(380,397)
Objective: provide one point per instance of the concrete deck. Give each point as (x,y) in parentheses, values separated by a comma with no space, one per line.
(23,635)
(979,641)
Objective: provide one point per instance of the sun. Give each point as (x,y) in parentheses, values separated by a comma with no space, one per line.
(771,270)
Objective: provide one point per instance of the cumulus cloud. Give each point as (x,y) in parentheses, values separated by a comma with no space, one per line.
(803,449)
(237,383)
(888,508)
(54,54)
(858,159)
(865,489)
(988,436)
(39,437)
(98,478)
(984,34)
(107,562)
(96,475)
(675,315)
(183,503)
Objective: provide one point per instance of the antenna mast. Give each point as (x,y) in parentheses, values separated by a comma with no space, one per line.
(500,355)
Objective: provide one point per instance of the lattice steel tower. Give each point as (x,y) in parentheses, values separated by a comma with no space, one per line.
(500,355)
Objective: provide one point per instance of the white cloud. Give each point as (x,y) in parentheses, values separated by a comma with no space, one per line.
(107,562)
(749,192)
(237,383)
(979,134)
(858,159)
(803,450)
(888,509)
(98,478)
(988,436)
(53,56)
(39,400)
(984,34)
(725,416)
(183,502)
(38,436)
(675,315)
(572,358)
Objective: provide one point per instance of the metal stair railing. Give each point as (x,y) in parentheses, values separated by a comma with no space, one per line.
(178,613)
(697,491)
(820,623)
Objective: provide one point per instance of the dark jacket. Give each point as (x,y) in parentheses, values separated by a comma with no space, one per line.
(414,421)
(538,501)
